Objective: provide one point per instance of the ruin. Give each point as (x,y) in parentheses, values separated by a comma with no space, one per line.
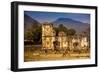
(49,39)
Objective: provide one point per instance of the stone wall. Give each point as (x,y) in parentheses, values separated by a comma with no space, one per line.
(64,42)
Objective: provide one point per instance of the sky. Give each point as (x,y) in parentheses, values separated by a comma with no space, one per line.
(52,16)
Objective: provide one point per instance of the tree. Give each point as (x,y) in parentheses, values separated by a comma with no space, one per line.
(37,35)
(70,33)
(34,34)
(28,35)
(56,30)
(61,27)
(28,31)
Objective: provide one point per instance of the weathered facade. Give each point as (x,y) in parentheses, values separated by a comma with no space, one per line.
(49,37)
(62,38)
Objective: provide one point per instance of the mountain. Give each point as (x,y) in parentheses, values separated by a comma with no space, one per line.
(29,22)
(70,23)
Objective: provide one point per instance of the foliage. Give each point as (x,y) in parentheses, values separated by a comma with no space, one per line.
(71,32)
(37,35)
(34,34)
(61,27)
(28,35)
